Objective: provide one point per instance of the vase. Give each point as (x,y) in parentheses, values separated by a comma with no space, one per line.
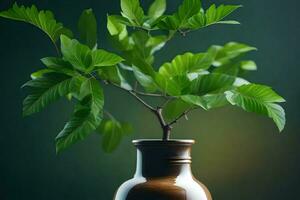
(163,172)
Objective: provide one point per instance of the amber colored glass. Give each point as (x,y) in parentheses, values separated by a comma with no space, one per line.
(163,172)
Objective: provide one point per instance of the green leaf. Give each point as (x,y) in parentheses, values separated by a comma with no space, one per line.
(208,91)
(188,62)
(168,85)
(81,125)
(259,99)
(86,117)
(187,9)
(46,89)
(208,101)
(87,26)
(213,15)
(40,73)
(114,75)
(215,100)
(112,132)
(235,67)
(157,9)
(142,49)
(79,55)
(179,20)
(85,60)
(210,83)
(195,100)
(102,58)
(132,10)
(248,65)
(59,65)
(175,108)
(44,20)
(115,27)
(231,51)
(146,81)
(156,43)
(92,87)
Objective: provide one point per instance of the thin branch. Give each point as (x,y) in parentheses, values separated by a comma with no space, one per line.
(149,94)
(180,116)
(133,94)
(158,112)
(141,100)
(138,92)
(109,115)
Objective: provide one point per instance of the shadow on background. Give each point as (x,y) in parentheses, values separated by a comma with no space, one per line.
(238,155)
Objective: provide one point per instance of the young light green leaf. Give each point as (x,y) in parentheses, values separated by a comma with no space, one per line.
(188,62)
(44,20)
(248,65)
(175,108)
(132,10)
(213,15)
(86,117)
(157,9)
(259,99)
(40,73)
(230,51)
(87,26)
(179,20)
(46,89)
(115,27)
(156,43)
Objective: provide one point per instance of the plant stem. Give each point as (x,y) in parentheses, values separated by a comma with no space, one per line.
(157,111)
(165,127)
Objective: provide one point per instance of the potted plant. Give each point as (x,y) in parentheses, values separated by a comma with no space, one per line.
(204,80)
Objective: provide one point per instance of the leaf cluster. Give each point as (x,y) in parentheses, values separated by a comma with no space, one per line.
(204,80)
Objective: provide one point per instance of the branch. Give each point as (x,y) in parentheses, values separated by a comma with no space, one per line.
(180,116)
(141,100)
(149,94)
(157,111)
(109,115)
(133,93)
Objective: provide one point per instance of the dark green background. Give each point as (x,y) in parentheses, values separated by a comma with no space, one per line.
(239,156)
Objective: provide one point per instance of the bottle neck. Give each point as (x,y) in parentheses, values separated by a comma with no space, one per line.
(163,159)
